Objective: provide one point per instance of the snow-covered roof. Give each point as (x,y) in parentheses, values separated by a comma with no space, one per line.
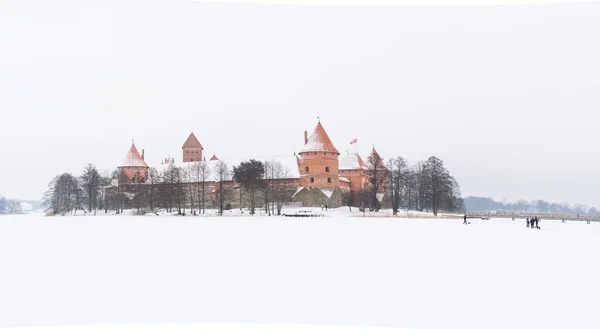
(344,179)
(351,161)
(319,142)
(133,158)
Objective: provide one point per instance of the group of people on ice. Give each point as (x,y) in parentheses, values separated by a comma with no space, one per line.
(533,222)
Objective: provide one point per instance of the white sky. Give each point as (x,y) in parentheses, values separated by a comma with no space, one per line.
(506,96)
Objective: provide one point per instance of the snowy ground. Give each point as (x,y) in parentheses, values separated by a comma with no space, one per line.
(413,273)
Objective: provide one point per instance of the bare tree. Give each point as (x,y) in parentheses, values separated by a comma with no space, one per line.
(350,199)
(222,175)
(13,206)
(268,185)
(376,177)
(281,186)
(439,184)
(103,198)
(122,180)
(398,178)
(178,178)
(168,189)
(417,188)
(190,188)
(3,205)
(90,183)
(154,179)
(63,194)
(9,206)
(200,174)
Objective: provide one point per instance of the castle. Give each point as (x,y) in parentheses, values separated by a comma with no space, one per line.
(318,175)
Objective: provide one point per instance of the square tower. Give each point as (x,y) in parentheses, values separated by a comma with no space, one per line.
(192,149)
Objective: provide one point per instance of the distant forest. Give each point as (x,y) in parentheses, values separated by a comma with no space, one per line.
(473,203)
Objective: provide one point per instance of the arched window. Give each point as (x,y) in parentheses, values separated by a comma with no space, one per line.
(326,169)
(306,169)
(312,179)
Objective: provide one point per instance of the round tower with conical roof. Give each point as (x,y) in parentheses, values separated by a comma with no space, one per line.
(318,160)
(134,166)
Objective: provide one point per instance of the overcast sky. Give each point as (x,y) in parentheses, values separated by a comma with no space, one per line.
(506,96)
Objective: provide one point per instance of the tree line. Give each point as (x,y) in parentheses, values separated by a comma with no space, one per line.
(424,186)
(535,206)
(68,193)
(187,190)
(9,206)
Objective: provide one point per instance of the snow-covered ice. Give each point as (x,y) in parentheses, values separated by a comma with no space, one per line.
(413,273)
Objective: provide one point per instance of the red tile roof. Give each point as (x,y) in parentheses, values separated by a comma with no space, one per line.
(214,157)
(192,143)
(133,158)
(381,163)
(319,142)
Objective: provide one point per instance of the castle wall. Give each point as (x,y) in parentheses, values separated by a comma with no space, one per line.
(314,197)
(357,178)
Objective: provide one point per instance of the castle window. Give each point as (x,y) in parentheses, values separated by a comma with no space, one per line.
(312,179)
(326,169)
(328,180)
(133,179)
(306,169)
(192,159)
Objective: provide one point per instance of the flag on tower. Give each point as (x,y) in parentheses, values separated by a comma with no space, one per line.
(353,141)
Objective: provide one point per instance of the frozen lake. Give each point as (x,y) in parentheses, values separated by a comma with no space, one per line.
(414,273)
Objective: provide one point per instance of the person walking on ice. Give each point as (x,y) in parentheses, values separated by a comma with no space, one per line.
(465,220)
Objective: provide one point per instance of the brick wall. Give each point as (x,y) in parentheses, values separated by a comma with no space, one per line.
(322,168)
(192,154)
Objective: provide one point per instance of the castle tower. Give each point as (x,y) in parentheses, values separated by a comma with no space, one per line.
(353,168)
(192,149)
(134,166)
(382,169)
(318,160)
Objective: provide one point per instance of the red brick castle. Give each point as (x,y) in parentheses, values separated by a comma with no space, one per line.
(318,175)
